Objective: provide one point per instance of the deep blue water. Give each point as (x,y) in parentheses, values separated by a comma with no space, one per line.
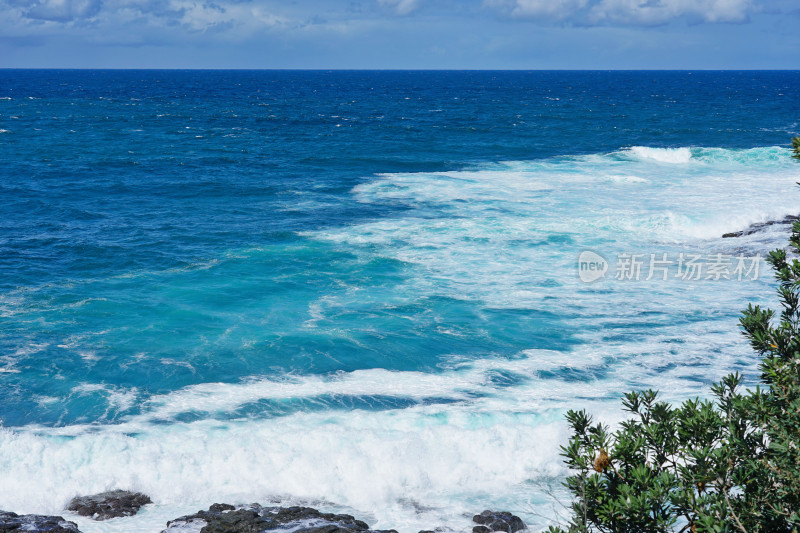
(266,247)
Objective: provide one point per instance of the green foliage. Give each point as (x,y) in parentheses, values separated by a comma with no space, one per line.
(729,464)
(796,147)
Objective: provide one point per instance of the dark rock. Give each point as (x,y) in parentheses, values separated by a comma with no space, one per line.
(34,523)
(497,521)
(241,521)
(219,507)
(285,515)
(109,504)
(755,228)
(328,528)
(185,523)
(224,518)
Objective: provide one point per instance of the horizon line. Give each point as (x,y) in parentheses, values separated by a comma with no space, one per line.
(301,69)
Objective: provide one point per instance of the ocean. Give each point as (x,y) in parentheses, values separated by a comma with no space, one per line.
(367,291)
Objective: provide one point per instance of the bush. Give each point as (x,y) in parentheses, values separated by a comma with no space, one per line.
(727,464)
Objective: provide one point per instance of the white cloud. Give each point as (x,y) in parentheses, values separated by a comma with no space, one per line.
(624,12)
(135,21)
(654,12)
(401,7)
(550,9)
(62,10)
(729,11)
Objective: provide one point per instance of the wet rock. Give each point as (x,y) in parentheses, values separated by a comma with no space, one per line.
(185,524)
(239,521)
(219,507)
(497,521)
(755,228)
(329,528)
(109,504)
(34,523)
(287,515)
(225,518)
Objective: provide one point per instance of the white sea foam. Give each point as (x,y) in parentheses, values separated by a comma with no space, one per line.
(662,155)
(623,179)
(363,460)
(116,397)
(454,459)
(508,213)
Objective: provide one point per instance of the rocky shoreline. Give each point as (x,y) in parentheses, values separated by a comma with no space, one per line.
(12,522)
(226,518)
(755,228)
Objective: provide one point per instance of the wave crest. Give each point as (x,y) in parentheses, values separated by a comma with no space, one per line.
(662,155)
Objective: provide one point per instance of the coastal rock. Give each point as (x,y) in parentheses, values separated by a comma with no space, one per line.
(239,521)
(755,228)
(219,507)
(225,518)
(328,528)
(109,504)
(287,515)
(34,523)
(497,521)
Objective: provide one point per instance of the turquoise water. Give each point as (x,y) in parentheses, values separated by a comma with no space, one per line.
(362,287)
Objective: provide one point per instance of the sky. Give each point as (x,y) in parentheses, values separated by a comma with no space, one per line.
(401,34)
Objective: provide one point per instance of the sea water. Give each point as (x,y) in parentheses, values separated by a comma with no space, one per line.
(362,291)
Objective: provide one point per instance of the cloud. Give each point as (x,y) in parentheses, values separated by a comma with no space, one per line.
(137,21)
(191,15)
(539,9)
(290,25)
(625,12)
(401,7)
(59,10)
(654,12)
